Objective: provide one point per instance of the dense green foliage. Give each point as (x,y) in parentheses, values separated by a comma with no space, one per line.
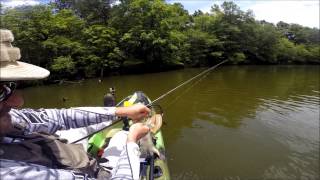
(76,39)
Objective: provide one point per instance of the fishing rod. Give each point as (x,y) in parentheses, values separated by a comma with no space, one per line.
(157,99)
(186,82)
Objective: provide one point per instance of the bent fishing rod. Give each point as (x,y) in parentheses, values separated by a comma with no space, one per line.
(159,98)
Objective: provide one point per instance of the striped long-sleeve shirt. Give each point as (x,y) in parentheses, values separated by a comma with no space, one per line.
(52,120)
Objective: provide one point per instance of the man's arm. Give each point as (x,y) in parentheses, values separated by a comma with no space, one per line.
(51,120)
(128,166)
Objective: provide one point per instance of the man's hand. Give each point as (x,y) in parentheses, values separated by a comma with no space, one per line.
(137,131)
(135,112)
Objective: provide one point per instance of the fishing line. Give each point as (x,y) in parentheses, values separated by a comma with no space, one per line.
(186,82)
(159,98)
(185,91)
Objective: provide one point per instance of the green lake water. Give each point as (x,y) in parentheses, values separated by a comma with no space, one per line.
(238,122)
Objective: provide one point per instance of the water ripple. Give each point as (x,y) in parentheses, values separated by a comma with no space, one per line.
(294,122)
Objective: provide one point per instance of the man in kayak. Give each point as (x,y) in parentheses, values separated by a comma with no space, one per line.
(28,147)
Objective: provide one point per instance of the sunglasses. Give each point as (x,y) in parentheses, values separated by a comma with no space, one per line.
(6,90)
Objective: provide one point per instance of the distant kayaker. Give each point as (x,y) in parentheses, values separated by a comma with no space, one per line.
(28,147)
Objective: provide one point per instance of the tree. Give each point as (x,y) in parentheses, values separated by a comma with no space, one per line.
(150,31)
(102,49)
(93,11)
(63,66)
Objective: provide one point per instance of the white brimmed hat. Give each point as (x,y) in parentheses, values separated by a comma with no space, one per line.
(10,68)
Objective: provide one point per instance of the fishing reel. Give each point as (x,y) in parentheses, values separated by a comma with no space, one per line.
(136,98)
(153,120)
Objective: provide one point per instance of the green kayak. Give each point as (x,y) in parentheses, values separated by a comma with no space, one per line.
(157,165)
